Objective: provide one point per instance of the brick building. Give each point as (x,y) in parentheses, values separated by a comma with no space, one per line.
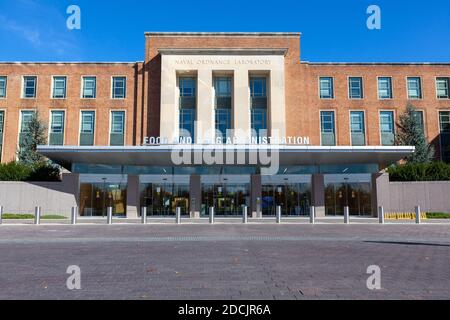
(116,125)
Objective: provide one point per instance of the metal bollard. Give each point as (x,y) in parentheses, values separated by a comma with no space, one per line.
(418,215)
(346,215)
(37,215)
(244,214)
(109,213)
(312,215)
(178,216)
(258,208)
(74,215)
(381,215)
(211,215)
(144,215)
(278,214)
(1,214)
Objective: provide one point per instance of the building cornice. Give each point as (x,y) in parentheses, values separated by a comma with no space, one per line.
(68,62)
(223,34)
(376,63)
(223,51)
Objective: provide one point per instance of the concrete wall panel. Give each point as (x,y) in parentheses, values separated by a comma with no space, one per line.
(54,197)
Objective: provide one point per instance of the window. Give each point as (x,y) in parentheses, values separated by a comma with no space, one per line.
(117,122)
(258,87)
(2,125)
(327,128)
(29,87)
(119,87)
(358,130)
(188,103)
(355,88)
(2,122)
(327,121)
(87,121)
(442,88)
(25,118)
(57,122)
(418,115)
(326,88)
(384,88)
(187,120)
(222,87)
(223,124)
(57,128)
(259,123)
(3,81)
(387,128)
(87,129)
(414,88)
(444,123)
(187,87)
(59,87)
(117,133)
(89,87)
(258,113)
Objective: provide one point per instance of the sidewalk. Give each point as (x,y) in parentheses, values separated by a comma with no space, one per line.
(224,221)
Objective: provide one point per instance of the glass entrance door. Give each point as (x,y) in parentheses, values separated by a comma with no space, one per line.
(162,199)
(294,199)
(227,199)
(95,198)
(348,191)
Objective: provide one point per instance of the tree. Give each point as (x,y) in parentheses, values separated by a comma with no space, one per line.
(411,133)
(34,134)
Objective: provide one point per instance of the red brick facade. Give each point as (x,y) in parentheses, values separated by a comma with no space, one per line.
(142,103)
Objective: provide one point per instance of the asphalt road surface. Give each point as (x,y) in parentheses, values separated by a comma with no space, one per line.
(240,262)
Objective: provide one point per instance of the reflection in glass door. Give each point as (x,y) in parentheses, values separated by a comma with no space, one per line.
(294,199)
(227,199)
(95,198)
(355,195)
(162,199)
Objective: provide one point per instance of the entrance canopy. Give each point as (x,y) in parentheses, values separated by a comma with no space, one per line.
(163,155)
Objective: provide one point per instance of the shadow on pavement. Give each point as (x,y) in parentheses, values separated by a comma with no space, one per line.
(410,243)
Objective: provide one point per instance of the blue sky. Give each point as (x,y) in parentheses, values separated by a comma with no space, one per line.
(332,31)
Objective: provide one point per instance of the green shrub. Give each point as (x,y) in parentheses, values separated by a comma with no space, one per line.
(11,216)
(438,215)
(17,171)
(14,171)
(436,171)
(44,172)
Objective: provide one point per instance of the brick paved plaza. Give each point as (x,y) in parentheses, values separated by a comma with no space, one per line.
(264,261)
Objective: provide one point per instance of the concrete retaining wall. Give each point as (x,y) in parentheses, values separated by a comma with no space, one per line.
(430,196)
(405,196)
(54,197)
